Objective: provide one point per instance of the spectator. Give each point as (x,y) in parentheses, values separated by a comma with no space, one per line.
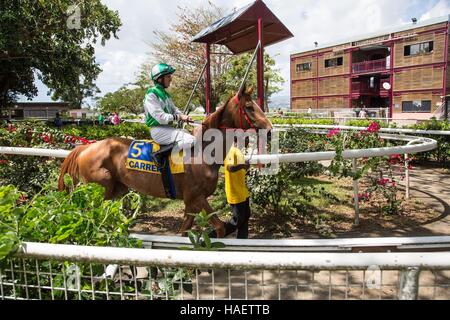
(58,121)
(109,119)
(11,127)
(101,119)
(363,114)
(115,119)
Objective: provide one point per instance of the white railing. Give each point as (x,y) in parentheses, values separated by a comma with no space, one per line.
(37,271)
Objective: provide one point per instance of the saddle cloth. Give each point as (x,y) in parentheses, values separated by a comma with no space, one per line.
(140,158)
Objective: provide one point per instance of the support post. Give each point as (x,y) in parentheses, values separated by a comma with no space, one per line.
(391,80)
(409,284)
(407,185)
(356,193)
(446,99)
(260,66)
(446,63)
(350,81)
(208,78)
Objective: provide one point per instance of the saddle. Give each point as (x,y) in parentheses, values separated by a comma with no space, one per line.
(150,157)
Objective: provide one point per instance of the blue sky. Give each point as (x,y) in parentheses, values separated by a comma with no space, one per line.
(309,20)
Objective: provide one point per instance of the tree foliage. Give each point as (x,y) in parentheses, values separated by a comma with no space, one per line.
(124,100)
(36,40)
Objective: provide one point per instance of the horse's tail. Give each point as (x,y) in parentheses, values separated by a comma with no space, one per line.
(70,166)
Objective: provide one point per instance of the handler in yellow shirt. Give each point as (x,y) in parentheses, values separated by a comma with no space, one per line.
(237,193)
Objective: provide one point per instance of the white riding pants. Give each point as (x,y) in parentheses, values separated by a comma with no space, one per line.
(168,135)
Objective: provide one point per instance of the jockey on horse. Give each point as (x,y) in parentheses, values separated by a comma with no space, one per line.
(162,115)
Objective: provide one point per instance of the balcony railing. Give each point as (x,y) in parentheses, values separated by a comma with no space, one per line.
(363,88)
(369,66)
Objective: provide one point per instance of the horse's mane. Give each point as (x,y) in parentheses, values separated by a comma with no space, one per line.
(213,120)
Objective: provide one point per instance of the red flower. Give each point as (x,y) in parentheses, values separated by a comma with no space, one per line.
(363,197)
(395,158)
(23,198)
(11,127)
(333,132)
(383,182)
(4,161)
(46,138)
(374,127)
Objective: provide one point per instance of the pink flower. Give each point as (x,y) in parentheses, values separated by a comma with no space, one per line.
(383,182)
(46,138)
(395,158)
(333,132)
(363,196)
(11,127)
(374,127)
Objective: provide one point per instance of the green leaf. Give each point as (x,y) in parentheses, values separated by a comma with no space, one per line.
(218,245)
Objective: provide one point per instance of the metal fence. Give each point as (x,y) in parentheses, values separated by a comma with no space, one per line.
(61,272)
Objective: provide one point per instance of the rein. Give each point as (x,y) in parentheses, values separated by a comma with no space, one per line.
(242,115)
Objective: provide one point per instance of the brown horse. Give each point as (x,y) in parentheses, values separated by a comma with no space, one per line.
(104,163)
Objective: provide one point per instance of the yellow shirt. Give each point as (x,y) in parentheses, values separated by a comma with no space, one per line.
(235,186)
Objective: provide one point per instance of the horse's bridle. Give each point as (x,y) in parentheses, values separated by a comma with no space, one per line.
(242,115)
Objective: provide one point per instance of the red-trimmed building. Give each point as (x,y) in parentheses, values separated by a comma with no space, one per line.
(404,69)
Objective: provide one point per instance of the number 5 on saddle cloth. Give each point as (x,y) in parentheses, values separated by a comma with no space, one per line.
(142,157)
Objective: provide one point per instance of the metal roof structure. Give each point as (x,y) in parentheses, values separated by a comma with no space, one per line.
(239,30)
(250,28)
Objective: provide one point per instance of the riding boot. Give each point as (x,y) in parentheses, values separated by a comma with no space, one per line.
(162,154)
(161,157)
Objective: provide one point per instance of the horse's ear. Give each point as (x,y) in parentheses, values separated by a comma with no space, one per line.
(249,91)
(241,92)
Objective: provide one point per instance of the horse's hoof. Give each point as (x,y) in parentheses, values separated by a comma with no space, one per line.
(220,232)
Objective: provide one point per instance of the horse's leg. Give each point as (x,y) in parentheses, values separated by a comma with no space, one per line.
(195,206)
(119,189)
(187,224)
(94,172)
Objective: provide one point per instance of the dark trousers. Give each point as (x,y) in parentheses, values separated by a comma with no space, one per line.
(239,221)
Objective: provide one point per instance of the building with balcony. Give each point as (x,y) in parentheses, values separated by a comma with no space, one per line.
(404,69)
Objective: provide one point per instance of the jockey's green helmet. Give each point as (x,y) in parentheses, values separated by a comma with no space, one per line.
(161,69)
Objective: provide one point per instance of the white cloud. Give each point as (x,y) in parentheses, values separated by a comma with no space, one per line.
(441,8)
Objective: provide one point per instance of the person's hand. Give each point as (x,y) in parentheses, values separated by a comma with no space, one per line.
(184,118)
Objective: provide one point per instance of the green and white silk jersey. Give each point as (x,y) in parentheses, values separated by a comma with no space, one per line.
(159,107)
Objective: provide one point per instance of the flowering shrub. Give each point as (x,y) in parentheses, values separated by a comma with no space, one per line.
(341,141)
(370,168)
